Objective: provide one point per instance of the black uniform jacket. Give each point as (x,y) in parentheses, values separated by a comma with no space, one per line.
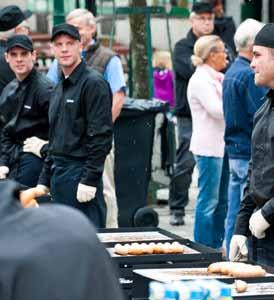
(183,69)
(24,112)
(80,123)
(51,253)
(260,188)
(6,74)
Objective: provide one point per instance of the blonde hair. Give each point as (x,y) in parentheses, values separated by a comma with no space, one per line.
(86,16)
(162,59)
(203,47)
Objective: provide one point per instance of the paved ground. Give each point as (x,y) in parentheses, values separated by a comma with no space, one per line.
(185,231)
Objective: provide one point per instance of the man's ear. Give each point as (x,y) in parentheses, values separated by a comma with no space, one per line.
(81,47)
(34,55)
(6,57)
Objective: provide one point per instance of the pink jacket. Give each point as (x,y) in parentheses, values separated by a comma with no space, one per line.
(204,95)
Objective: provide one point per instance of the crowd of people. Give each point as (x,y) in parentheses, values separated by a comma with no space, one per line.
(223,109)
(57,140)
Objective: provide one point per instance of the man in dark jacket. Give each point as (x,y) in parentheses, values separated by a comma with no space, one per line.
(202,22)
(11,17)
(80,133)
(255,220)
(51,252)
(241,99)
(24,112)
(105,61)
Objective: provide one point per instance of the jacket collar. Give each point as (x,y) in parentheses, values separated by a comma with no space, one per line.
(217,76)
(76,73)
(91,49)
(191,37)
(28,79)
(270,94)
(244,59)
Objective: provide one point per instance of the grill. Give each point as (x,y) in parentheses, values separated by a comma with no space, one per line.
(195,254)
(259,288)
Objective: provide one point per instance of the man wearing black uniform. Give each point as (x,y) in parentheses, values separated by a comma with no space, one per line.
(51,252)
(202,22)
(11,17)
(80,133)
(255,221)
(24,112)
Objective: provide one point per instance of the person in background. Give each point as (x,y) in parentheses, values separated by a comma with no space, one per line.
(204,95)
(12,20)
(163,77)
(80,130)
(224,26)
(241,99)
(202,23)
(255,220)
(106,62)
(51,252)
(24,107)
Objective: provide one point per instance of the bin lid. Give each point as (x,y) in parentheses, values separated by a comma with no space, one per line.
(142,106)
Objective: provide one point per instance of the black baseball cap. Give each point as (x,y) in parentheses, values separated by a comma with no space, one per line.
(19,40)
(202,7)
(265,37)
(11,16)
(65,29)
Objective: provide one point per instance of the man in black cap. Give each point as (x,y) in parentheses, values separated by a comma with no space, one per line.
(51,252)
(11,18)
(255,222)
(80,135)
(202,23)
(23,113)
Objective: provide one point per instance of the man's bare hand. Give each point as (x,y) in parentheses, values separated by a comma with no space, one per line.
(28,197)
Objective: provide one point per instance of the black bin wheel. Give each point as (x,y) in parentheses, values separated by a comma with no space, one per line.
(145,217)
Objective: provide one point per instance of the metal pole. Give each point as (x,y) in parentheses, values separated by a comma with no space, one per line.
(58,12)
(149,56)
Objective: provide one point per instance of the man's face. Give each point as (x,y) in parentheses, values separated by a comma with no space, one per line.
(263,66)
(21,61)
(202,24)
(86,31)
(67,50)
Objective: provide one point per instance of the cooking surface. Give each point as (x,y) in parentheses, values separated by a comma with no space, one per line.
(168,275)
(131,236)
(187,250)
(262,288)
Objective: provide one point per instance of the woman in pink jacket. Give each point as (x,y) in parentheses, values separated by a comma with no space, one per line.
(207,142)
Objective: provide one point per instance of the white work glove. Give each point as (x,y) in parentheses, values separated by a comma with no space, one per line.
(4,171)
(85,193)
(258,224)
(34,145)
(238,249)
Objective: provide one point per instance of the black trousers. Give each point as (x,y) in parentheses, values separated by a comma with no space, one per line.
(66,175)
(26,169)
(261,251)
(181,180)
